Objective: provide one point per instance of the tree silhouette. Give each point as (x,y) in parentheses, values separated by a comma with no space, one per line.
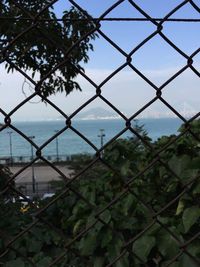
(33,39)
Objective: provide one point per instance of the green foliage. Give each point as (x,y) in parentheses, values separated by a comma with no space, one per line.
(98,235)
(190,217)
(5,175)
(126,155)
(51,50)
(143,246)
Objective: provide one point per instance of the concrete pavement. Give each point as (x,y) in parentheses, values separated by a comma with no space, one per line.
(41,173)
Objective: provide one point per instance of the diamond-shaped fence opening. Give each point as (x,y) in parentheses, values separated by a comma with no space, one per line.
(184,104)
(172,32)
(114,60)
(129,39)
(156,70)
(92,185)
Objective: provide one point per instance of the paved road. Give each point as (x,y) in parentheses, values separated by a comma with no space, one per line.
(41,173)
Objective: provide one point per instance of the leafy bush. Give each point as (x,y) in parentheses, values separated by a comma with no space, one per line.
(154,217)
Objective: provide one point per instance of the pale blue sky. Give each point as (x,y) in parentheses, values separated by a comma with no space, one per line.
(156,59)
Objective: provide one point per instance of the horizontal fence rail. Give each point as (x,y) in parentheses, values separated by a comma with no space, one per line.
(133,202)
(25,159)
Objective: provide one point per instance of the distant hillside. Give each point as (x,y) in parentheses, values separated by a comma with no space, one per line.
(97,114)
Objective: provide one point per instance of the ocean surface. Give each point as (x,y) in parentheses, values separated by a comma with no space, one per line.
(69,142)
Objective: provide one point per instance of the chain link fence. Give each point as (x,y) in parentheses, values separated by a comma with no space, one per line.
(134,224)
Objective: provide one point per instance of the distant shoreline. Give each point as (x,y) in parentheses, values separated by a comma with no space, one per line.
(96,119)
(70,140)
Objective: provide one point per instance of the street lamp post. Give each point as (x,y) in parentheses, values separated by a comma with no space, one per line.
(101,135)
(10,140)
(32,166)
(57,153)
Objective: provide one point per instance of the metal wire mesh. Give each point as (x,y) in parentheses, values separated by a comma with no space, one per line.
(155,212)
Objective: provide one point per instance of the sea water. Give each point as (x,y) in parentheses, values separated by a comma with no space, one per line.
(70,141)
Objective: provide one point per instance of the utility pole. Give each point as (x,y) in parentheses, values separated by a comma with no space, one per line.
(57,153)
(102,135)
(10,140)
(32,166)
